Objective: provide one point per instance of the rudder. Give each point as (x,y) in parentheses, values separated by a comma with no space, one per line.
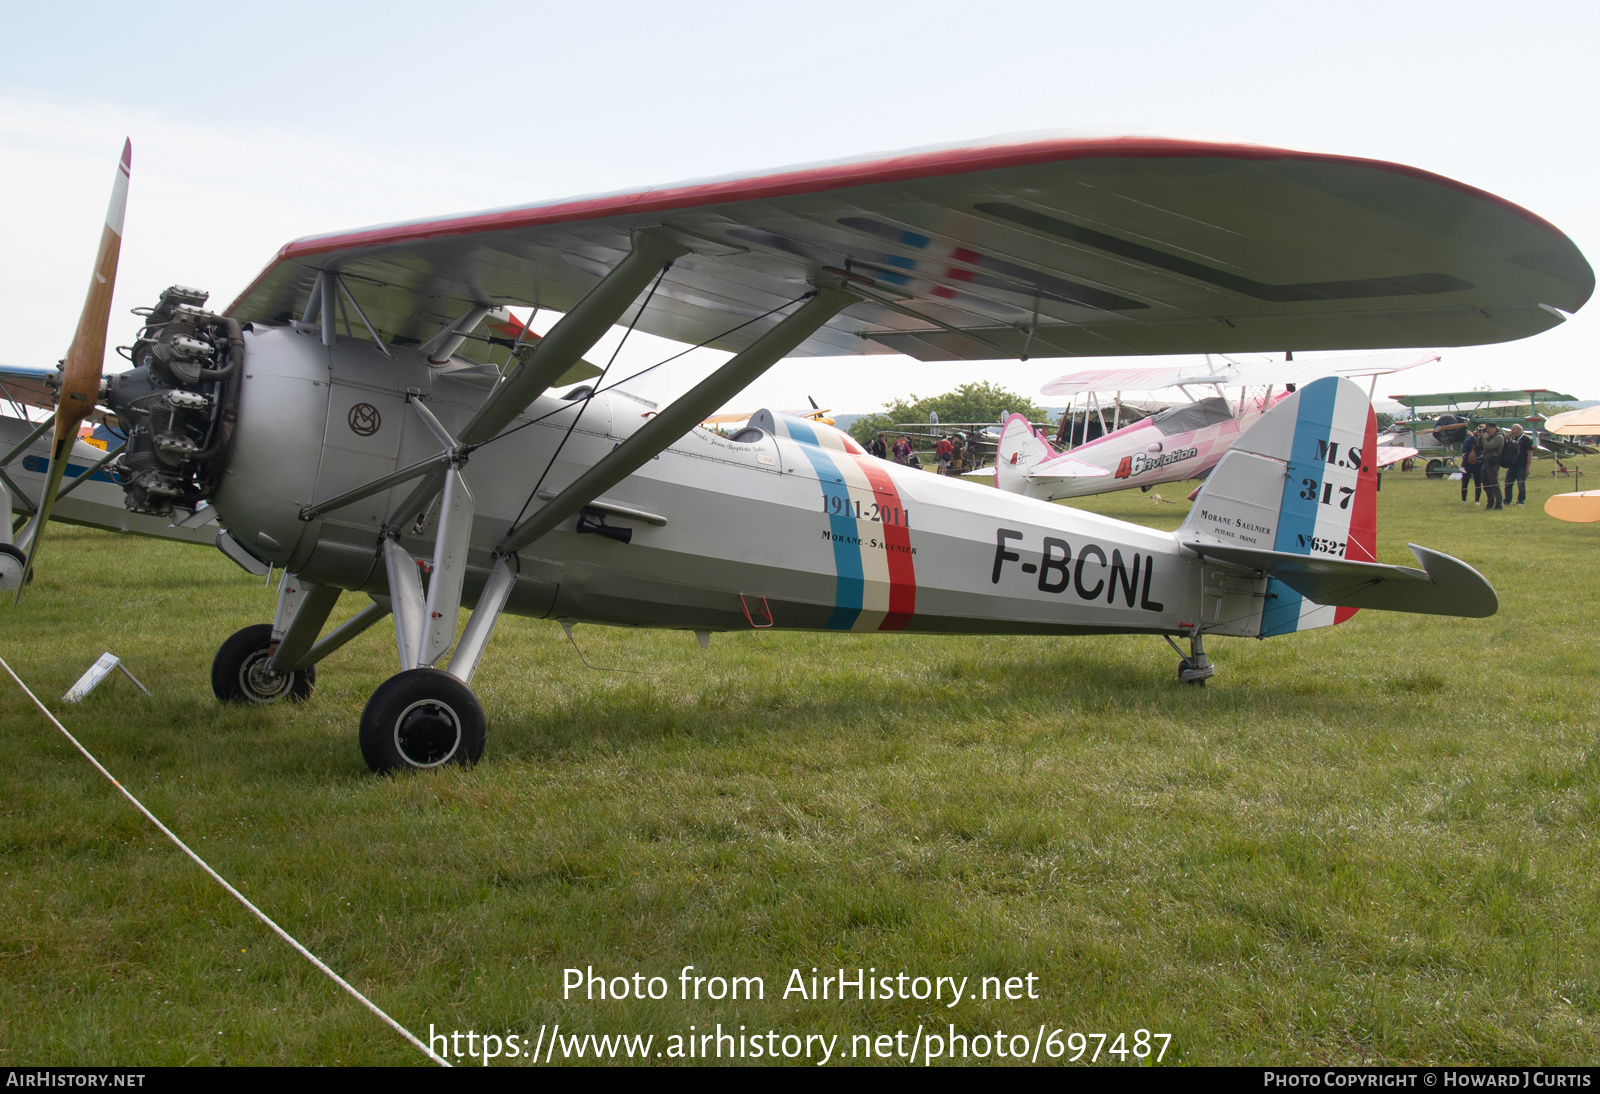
(1021,448)
(1301,480)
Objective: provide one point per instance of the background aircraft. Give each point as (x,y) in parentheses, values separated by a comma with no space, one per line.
(330,417)
(1184,441)
(90,494)
(1439,422)
(1582,507)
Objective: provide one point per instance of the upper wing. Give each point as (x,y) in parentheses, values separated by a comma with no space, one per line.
(1306,370)
(1129,379)
(1081,243)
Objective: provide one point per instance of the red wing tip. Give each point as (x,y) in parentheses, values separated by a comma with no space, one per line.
(127,153)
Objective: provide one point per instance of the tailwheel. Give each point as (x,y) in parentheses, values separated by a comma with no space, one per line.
(239,673)
(421,719)
(1196,668)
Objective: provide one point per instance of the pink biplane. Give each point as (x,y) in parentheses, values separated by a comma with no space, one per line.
(1181,442)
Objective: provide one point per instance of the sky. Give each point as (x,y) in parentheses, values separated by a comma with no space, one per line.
(256,124)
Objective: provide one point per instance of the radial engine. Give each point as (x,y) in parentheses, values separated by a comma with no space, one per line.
(178,404)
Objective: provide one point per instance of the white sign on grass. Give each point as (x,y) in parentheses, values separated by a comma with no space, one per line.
(98,672)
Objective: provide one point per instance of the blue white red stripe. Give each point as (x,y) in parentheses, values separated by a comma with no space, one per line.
(1327,498)
(876,583)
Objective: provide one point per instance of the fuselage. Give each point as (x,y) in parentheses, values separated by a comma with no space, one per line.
(1180,443)
(727,534)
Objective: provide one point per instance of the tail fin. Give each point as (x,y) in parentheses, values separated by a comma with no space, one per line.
(1301,481)
(1021,447)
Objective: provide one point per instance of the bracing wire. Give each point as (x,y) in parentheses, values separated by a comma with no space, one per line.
(587,399)
(665,361)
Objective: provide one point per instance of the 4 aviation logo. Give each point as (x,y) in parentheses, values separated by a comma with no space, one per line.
(1139,462)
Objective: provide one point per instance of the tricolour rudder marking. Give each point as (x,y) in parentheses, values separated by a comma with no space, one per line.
(1300,481)
(1329,506)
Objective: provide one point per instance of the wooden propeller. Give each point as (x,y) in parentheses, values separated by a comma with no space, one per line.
(85,361)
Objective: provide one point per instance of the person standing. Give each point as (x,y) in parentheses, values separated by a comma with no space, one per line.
(958,445)
(902,450)
(1516,457)
(944,452)
(1471,469)
(1489,450)
(879,447)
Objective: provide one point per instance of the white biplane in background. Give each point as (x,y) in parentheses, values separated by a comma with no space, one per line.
(1183,441)
(345,425)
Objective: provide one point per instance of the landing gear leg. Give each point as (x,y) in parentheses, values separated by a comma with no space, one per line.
(424,717)
(1196,668)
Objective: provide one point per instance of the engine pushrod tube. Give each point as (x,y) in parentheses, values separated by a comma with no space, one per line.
(377,486)
(683,414)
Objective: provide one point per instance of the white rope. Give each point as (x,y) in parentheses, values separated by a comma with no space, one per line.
(220,880)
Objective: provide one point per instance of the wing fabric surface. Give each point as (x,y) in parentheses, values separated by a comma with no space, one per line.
(28,386)
(1081,243)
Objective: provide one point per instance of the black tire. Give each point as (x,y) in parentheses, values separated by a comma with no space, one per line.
(12,565)
(238,672)
(1183,666)
(1436,469)
(421,719)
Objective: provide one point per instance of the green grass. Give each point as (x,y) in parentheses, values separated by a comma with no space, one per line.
(1375,842)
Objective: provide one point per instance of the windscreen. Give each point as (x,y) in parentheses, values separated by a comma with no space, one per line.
(1191,416)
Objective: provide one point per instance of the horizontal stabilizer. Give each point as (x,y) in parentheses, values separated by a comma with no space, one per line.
(1391,454)
(1063,468)
(1444,586)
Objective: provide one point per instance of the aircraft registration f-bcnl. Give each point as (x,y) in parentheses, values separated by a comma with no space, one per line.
(365,416)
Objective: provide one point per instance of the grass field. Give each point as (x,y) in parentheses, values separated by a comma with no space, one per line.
(1375,842)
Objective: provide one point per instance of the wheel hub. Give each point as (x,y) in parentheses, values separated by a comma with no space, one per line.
(427,733)
(259,682)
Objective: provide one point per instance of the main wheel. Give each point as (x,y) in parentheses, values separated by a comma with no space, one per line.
(1436,469)
(12,562)
(421,719)
(239,673)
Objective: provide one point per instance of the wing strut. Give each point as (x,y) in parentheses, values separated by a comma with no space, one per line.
(682,415)
(546,361)
(574,335)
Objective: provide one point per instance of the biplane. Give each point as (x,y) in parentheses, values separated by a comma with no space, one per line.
(1583,506)
(349,420)
(1439,422)
(1181,441)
